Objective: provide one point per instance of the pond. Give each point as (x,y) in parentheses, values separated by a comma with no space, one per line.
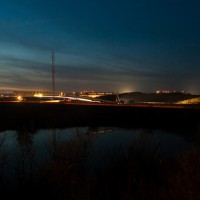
(45,157)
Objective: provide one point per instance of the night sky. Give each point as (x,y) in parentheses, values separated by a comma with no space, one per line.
(101,45)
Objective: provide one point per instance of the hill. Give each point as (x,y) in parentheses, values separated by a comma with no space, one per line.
(139,97)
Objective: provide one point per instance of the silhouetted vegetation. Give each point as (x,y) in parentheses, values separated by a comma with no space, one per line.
(140,172)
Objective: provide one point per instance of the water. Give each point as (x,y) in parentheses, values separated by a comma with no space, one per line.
(53,158)
(105,140)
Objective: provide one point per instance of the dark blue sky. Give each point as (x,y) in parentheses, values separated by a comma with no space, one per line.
(101,45)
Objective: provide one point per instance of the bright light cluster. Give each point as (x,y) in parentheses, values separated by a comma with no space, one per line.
(38,95)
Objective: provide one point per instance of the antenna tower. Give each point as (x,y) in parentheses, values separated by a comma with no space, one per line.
(53,72)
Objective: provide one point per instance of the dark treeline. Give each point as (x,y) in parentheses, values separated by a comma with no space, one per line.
(140,173)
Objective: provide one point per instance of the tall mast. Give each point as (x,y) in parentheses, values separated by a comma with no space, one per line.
(53,72)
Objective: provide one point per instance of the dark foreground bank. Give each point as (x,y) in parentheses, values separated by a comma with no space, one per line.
(59,115)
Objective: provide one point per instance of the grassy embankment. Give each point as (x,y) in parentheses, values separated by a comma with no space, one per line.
(47,115)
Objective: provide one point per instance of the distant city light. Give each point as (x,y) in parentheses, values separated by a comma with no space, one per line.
(168,91)
(19,98)
(38,95)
